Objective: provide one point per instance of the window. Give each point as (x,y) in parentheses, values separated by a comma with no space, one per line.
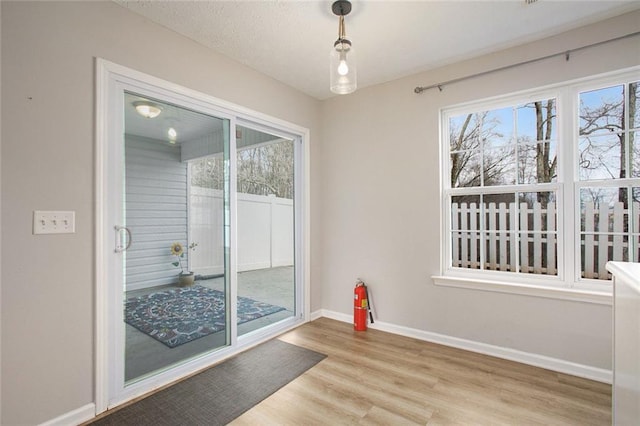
(609,177)
(544,187)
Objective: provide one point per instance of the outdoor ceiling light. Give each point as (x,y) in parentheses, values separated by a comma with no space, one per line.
(147,109)
(173,134)
(342,59)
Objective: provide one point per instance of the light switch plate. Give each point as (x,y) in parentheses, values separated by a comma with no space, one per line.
(54,222)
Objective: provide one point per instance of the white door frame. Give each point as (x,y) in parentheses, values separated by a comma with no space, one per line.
(111,81)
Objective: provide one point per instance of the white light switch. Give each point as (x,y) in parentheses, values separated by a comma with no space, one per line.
(54,222)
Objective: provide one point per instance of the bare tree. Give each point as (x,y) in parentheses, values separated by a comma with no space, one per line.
(261,170)
(608,118)
(472,164)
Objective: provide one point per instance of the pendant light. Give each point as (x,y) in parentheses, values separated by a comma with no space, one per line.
(342,58)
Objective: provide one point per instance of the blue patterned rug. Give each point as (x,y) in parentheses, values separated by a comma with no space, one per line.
(181,315)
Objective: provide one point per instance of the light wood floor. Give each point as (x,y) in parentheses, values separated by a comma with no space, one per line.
(375,377)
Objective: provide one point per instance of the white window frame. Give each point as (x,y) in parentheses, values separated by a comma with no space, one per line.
(567,284)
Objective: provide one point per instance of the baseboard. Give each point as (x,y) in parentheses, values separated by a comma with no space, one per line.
(316,314)
(73,418)
(554,364)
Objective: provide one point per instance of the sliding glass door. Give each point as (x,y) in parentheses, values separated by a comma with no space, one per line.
(173,225)
(199,232)
(265,228)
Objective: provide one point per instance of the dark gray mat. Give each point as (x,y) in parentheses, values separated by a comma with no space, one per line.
(220,394)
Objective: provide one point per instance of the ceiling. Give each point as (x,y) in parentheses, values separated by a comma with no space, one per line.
(189,125)
(290,40)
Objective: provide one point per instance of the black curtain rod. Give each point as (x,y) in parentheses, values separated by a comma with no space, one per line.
(566,54)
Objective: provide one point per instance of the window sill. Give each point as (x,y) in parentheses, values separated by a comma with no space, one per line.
(576,295)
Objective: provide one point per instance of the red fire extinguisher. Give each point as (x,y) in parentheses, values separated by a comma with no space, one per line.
(360,307)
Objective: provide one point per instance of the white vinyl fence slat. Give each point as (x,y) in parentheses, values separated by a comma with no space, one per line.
(589,221)
(524,237)
(492,236)
(456,236)
(503,259)
(636,229)
(551,239)
(513,236)
(465,235)
(475,235)
(537,238)
(603,240)
(618,228)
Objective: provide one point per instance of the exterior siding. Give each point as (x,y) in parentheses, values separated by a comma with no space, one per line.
(155,210)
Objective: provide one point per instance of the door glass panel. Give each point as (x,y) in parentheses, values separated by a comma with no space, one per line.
(265,229)
(176,268)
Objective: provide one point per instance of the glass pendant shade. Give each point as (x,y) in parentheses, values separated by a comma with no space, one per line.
(342,68)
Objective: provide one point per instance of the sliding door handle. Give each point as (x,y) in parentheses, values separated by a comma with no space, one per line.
(119,246)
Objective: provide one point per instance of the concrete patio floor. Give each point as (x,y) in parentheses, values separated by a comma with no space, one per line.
(144,354)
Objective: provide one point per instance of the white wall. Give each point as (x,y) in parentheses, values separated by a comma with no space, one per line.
(48,102)
(383,140)
(0,221)
(369,147)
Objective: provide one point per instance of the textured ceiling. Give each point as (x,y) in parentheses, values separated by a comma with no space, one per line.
(290,40)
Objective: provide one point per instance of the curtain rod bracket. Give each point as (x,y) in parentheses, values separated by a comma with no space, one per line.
(567,55)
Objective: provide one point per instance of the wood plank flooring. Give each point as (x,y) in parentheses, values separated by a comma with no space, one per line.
(377,378)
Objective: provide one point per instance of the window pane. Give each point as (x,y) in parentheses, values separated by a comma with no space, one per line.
(538,253)
(634,148)
(464,132)
(465,169)
(498,128)
(603,210)
(465,249)
(537,221)
(635,224)
(600,157)
(598,249)
(604,225)
(499,166)
(499,251)
(537,211)
(499,211)
(465,238)
(465,212)
(634,108)
(499,215)
(602,111)
(500,223)
(537,121)
(208,172)
(537,162)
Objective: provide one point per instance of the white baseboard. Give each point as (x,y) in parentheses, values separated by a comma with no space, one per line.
(87,412)
(316,314)
(554,364)
(73,418)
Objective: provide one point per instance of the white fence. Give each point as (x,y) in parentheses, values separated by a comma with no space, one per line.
(524,237)
(265,235)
